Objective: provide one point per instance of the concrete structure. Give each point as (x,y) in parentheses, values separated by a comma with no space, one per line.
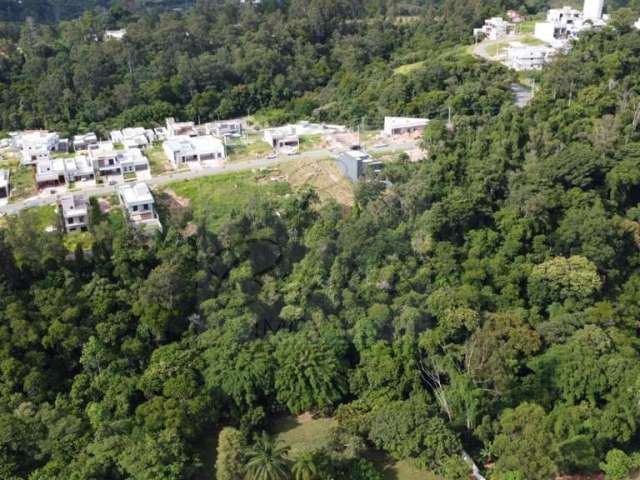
(160,133)
(355,164)
(494,28)
(85,141)
(178,129)
(231,128)
(282,138)
(5,189)
(133,160)
(527,57)
(404,125)
(592,9)
(37,145)
(135,137)
(58,171)
(139,205)
(74,213)
(184,149)
(106,160)
(115,34)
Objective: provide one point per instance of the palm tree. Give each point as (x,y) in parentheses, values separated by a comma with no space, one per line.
(305,467)
(267,460)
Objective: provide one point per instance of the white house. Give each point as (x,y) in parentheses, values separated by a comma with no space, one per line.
(185,149)
(528,57)
(231,128)
(133,160)
(134,137)
(74,213)
(139,205)
(106,160)
(178,129)
(85,141)
(57,171)
(282,138)
(115,34)
(494,28)
(5,189)
(37,145)
(404,125)
(160,133)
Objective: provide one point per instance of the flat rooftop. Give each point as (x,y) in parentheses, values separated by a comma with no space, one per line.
(137,193)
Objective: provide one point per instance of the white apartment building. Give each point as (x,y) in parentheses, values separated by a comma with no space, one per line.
(184,149)
(85,141)
(139,205)
(74,213)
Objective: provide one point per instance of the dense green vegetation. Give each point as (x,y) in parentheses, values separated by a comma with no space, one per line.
(486,301)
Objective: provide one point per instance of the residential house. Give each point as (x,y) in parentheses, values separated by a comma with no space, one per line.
(515,17)
(355,164)
(528,57)
(404,126)
(133,160)
(179,129)
(5,189)
(134,137)
(494,28)
(592,9)
(53,172)
(50,172)
(160,133)
(37,145)
(107,161)
(74,213)
(184,149)
(282,138)
(86,141)
(226,128)
(139,205)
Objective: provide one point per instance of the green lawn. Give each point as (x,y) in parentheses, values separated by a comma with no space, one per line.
(214,198)
(530,40)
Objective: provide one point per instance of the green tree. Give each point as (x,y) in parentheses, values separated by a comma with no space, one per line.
(266,459)
(230,462)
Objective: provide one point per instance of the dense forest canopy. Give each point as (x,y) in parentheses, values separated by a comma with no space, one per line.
(487,301)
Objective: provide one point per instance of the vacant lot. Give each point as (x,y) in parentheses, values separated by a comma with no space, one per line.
(158,162)
(323,176)
(215,198)
(22,179)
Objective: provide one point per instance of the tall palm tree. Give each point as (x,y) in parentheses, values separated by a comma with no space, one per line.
(267,460)
(305,467)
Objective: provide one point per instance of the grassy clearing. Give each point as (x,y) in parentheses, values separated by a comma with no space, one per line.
(22,181)
(158,161)
(528,26)
(408,68)
(247,149)
(215,198)
(310,142)
(496,48)
(46,217)
(304,433)
(530,40)
(323,176)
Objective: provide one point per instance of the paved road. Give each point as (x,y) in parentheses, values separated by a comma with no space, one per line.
(191,174)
